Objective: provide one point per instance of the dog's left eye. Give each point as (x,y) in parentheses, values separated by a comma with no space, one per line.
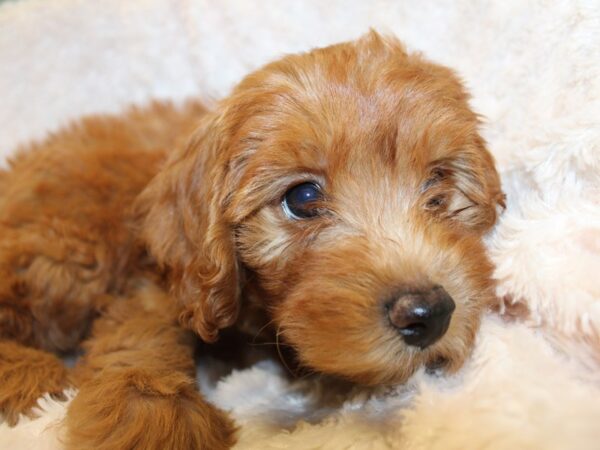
(301,201)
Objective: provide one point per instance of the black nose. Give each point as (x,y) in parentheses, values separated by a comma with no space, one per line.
(421,316)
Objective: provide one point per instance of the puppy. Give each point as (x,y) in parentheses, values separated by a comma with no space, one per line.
(337,198)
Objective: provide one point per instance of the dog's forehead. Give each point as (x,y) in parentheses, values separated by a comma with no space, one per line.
(322,111)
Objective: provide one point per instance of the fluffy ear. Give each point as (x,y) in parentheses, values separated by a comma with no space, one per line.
(465,187)
(183,224)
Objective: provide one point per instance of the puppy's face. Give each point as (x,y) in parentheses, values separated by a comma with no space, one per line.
(353,192)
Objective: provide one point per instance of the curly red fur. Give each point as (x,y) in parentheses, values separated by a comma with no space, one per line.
(126,223)
(137,384)
(25,375)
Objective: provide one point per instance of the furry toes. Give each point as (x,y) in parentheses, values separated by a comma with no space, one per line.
(139,409)
(25,375)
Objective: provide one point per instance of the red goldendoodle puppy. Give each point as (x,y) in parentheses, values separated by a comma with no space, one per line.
(337,198)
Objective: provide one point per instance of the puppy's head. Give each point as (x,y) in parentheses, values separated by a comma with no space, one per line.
(349,188)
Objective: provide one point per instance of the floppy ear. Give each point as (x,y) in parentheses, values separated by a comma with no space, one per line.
(465,187)
(476,180)
(184,227)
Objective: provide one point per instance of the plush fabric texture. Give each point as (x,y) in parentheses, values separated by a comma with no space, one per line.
(533,69)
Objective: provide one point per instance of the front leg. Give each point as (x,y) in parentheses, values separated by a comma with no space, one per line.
(25,375)
(137,385)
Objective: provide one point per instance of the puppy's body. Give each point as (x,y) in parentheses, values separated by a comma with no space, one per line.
(66,220)
(379,272)
(70,254)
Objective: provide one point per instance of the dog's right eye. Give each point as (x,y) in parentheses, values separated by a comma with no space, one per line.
(302,201)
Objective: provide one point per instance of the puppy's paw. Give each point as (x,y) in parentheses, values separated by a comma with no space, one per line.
(142,409)
(25,375)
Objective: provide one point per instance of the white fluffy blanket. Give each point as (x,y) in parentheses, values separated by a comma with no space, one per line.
(534,70)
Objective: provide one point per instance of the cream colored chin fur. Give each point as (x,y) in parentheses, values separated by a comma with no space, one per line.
(534,73)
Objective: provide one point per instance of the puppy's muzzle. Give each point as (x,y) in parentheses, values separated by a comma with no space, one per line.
(421,316)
